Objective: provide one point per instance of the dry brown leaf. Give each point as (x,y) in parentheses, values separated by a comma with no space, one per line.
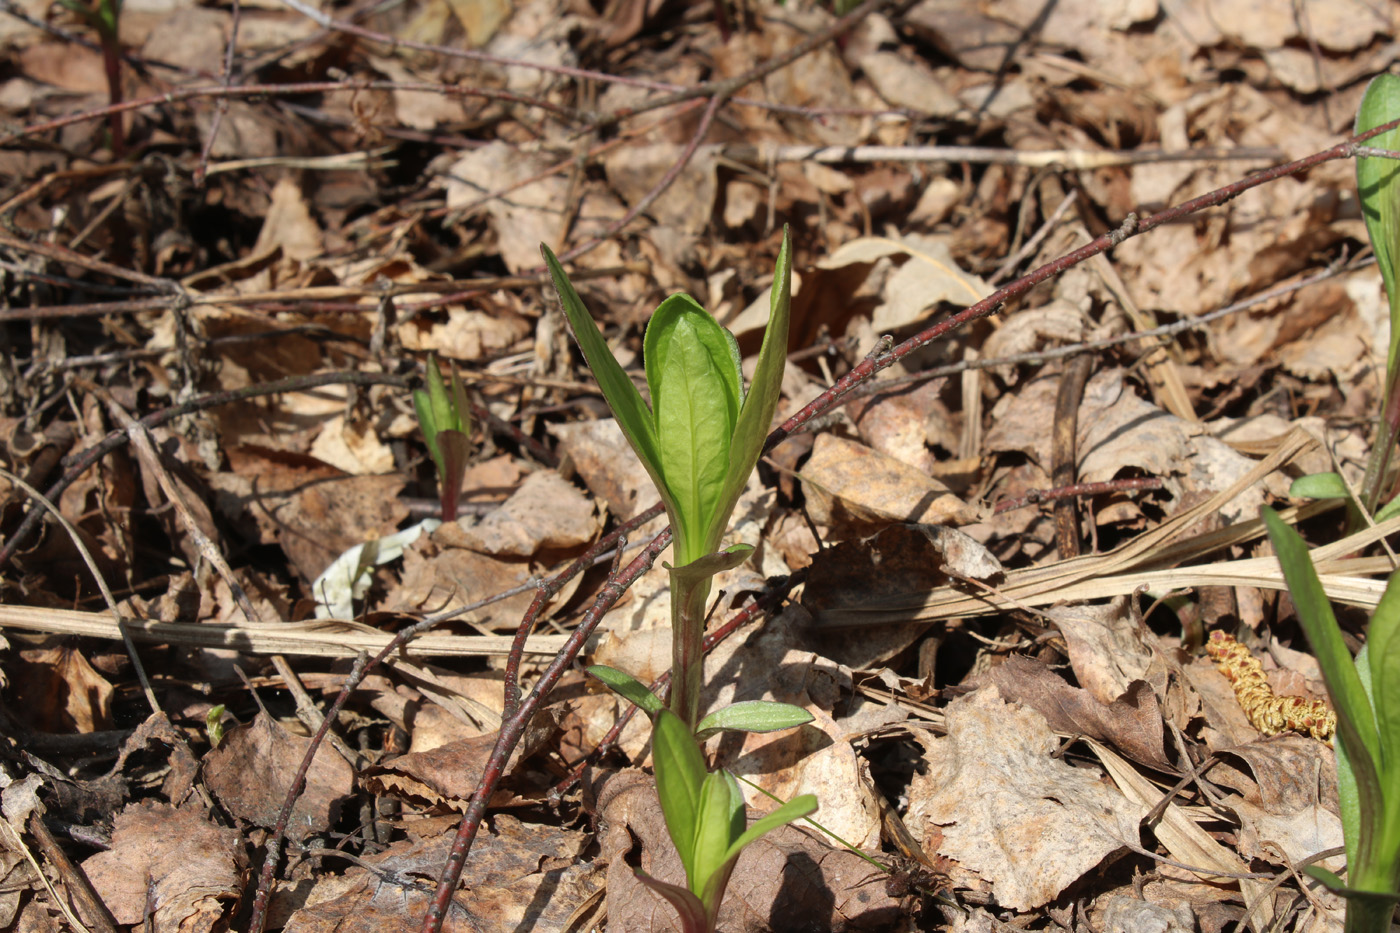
(846,481)
(547,513)
(1006,811)
(524,218)
(313,511)
(1132,722)
(252,769)
(172,859)
(521,876)
(60,691)
(448,774)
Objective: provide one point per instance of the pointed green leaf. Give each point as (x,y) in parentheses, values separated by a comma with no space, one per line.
(1318,486)
(1378,185)
(1388,511)
(761,401)
(423,405)
(437,395)
(461,405)
(629,688)
(752,716)
(693,919)
(1356,725)
(1383,649)
(795,809)
(721,821)
(680,775)
(695,393)
(622,396)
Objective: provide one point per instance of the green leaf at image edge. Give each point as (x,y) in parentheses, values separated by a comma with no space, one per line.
(1378,185)
(1356,725)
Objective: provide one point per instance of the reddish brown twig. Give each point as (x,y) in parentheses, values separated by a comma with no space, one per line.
(1077,489)
(770,599)
(874,364)
(512,729)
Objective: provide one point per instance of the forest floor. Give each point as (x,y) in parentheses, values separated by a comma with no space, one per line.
(989,550)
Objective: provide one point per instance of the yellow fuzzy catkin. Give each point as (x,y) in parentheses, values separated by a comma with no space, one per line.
(1267,711)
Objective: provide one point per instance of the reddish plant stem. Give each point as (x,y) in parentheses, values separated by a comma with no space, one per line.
(396,645)
(513,728)
(221,107)
(771,598)
(1076,489)
(279,829)
(618,538)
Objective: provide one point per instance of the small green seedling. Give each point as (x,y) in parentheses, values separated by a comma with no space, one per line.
(1366,696)
(444,414)
(699,440)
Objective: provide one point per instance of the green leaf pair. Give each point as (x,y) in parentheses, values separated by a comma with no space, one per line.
(701,436)
(444,415)
(704,811)
(1366,696)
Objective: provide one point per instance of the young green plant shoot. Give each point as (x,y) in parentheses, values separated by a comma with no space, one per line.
(699,440)
(444,414)
(1366,696)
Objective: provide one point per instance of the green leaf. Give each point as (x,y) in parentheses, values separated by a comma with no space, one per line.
(628,687)
(795,809)
(1376,184)
(695,396)
(692,912)
(1388,511)
(1318,486)
(1356,725)
(752,716)
(680,776)
(423,405)
(721,822)
(761,402)
(1383,649)
(703,568)
(622,396)
(1383,666)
